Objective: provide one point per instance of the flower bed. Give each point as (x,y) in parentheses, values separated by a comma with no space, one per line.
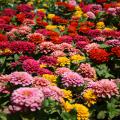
(60,60)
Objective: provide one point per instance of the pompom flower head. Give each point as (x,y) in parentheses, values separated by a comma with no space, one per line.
(95,55)
(90,97)
(40,82)
(36,38)
(104,88)
(30,65)
(53,92)
(20,78)
(82,112)
(62,70)
(62,61)
(72,79)
(29,99)
(87,71)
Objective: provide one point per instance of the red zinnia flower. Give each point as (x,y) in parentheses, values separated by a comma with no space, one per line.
(3,37)
(99,55)
(84,29)
(116,51)
(20,17)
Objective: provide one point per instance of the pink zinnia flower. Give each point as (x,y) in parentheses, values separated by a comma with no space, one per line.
(26,99)
(20,78)
(91,46)
(87,71)
(99,39)
(53,92)
(24,30)
(91,15)
(46,47)
(29,22)
(62,70)
(104,88)
(113,42)
(73,2)
(58,53)
(112,11)
(40,82)
(72,79)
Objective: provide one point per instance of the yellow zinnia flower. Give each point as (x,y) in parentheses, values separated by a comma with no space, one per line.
(51,27)
(51,78)
(67,94)
(100,25)
(82,112)
(67,106)
(50,16)
(89,97)
(78,14)
(77,58)
(62,61)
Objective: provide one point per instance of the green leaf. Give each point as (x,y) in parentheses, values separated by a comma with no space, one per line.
(3,116)
(46,103)
(16,57)
(113,108)
(66,116)
(101,115)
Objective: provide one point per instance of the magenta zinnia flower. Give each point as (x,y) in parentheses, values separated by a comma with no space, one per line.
(49,60)
(30,66)
(20,78)
(72,79)
(26,99)
(22,47)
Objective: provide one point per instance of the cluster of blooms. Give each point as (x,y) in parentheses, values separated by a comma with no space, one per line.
(67,52)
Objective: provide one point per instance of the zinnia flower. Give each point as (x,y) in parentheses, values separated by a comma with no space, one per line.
(53,92)
(40,82)
(72,79)
(36,38)
(104,88)
(62,61)
(24,99)
(90,97)
(77,58)
(30,66)
(95,54)
(20,78)
(116,51)
(87,71)
(82,112)
(62,70)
